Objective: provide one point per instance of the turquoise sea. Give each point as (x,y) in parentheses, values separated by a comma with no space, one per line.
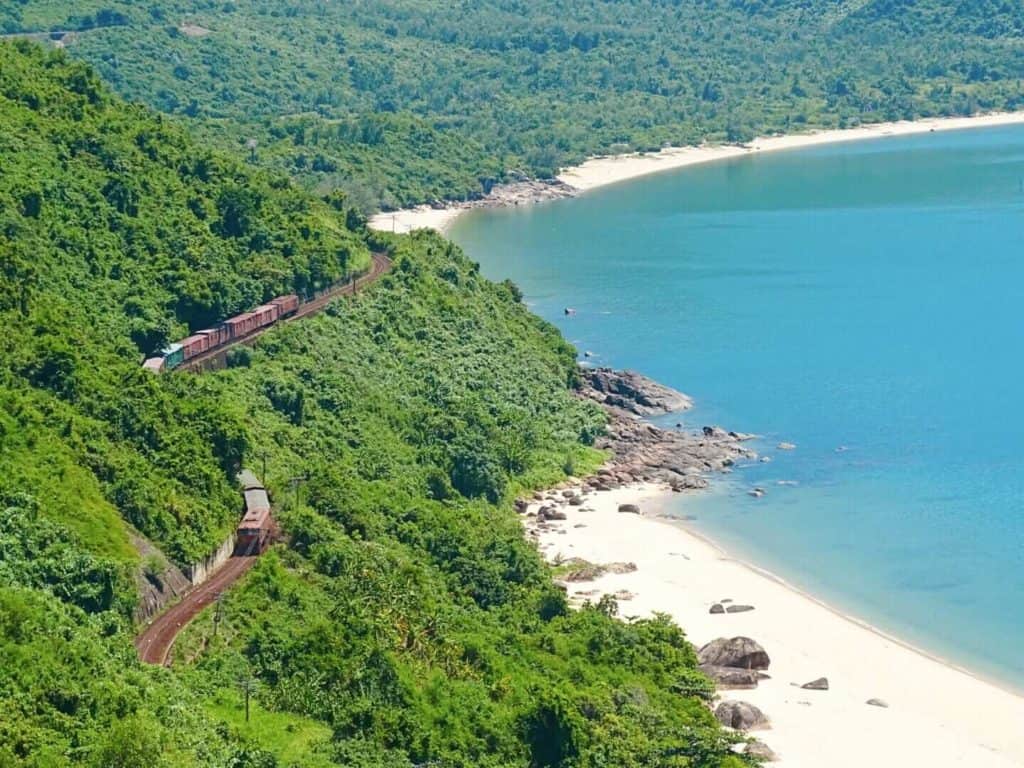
(864,301)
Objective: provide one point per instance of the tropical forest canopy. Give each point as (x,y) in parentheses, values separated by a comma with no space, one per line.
(402,101)
(407,621)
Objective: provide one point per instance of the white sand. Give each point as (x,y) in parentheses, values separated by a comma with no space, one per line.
(938,716)
(421,217)
(602,171)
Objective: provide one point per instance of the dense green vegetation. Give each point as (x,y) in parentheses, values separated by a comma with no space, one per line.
(407,621)
(408,100)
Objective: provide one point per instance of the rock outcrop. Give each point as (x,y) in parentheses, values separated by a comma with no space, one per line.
(643,451)
(633,392)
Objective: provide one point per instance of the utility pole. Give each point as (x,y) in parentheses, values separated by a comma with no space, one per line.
(263,455)
(248,684)
(218,611)
(295,483)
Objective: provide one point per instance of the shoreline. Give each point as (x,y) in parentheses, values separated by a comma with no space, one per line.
(860,623)
(938,714)
(603,171)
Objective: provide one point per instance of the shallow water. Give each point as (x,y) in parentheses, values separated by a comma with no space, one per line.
(863,301)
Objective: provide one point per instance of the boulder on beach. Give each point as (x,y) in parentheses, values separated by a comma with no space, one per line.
(550,513)
(630,509)
(576,501)
(877,703)
(739,608)
(717,608)
(731,678)
(741,715)
(741,652)
(760,750)
(821,684)
(620,568)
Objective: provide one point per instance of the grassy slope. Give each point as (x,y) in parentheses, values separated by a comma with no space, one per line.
(409,619)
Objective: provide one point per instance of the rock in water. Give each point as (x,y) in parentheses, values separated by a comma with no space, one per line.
(786,447)
(877,703)
(821,684)
(631,509)
(741,652)
(740,715)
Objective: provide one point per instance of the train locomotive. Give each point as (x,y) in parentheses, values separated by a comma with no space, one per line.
(256,527)
(232,329)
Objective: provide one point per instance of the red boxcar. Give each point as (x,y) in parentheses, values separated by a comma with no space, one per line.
(240,325)
(265,314)
(194,345)
(288,305)
(215,336)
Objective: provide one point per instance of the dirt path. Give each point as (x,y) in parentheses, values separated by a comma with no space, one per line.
(214,358)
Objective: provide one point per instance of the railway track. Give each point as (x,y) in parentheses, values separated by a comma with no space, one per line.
(154,643)
(215,358)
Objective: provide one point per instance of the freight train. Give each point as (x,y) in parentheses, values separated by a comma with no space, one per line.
(256,528)
(230,330)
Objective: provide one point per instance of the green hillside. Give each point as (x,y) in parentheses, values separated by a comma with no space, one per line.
(408,622)
(407,100)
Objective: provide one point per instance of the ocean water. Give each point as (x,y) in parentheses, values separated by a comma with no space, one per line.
(864,301)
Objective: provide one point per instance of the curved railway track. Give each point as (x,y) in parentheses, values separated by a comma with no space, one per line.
(154,643)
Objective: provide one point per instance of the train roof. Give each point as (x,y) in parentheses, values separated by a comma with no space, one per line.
(256,498)
(248,480)
(170,349)
(255,518)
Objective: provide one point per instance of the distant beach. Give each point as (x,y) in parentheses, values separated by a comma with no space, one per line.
(935,715)
(602,171)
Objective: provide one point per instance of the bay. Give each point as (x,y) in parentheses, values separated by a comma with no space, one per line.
(863,301)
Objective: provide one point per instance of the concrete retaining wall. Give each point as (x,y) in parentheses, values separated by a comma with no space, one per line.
(201,570)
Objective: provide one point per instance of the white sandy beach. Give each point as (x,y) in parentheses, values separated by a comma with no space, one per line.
(938,716)
(602,171)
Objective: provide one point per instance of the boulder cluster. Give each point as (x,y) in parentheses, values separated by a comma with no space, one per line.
(645,452)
